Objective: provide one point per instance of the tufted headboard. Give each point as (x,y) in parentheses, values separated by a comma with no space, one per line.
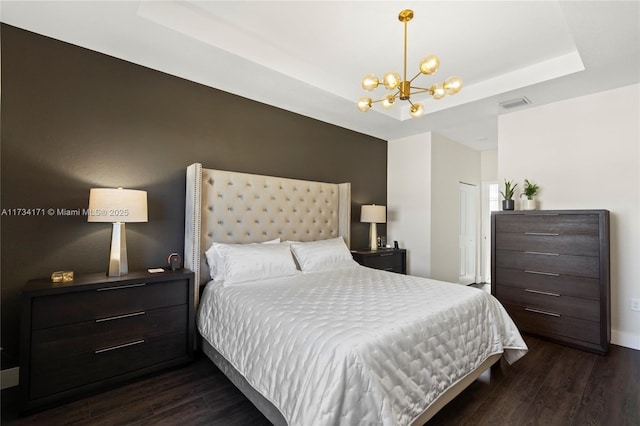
(230,207)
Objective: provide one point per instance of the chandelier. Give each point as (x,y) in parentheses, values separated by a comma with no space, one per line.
(404,88)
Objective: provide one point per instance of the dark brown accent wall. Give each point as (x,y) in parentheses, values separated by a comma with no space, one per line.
(73,119)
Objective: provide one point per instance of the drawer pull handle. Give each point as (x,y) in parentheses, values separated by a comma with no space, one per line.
(137,342)
(120,287)
(386,254)
(541,253)
(551,274)
(546,293)
(544,234)
(537,311)
(135,314)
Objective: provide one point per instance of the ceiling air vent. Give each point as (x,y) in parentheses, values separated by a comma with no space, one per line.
(514,103)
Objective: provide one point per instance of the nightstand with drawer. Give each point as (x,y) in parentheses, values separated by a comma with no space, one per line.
(550,270)
(393,260)
(99,331)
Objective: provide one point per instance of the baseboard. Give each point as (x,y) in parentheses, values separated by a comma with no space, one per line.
(10,378)
(626,339)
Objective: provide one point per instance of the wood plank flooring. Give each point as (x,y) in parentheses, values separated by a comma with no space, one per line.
(551,385)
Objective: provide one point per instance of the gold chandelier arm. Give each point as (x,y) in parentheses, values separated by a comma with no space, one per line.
(395,96)
(414,77)
(420,90)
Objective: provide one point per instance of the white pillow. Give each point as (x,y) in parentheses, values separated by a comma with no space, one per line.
(216,267)
(322,255)
(249,262)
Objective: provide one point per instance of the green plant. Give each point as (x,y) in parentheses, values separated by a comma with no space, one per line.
(509,188)
(530,189)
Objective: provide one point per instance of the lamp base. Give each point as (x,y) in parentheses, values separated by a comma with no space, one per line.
(373,236)
(118,256)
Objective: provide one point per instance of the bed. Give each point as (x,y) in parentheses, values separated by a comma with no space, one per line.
(336,344)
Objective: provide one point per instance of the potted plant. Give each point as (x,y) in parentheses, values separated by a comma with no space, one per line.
(507,194)
(530,190)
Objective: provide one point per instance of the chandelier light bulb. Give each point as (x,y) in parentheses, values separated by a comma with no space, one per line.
(429,64)
(370,82)
(416,110)
(452,85)
(391,80)
(364,104)
(437,91)
(388,102)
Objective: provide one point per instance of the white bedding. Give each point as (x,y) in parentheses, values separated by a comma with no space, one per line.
(356,345)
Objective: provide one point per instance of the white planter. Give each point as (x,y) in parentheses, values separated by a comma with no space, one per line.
(529,204)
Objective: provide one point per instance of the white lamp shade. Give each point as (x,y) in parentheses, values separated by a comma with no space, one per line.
(373,214)
(117,205)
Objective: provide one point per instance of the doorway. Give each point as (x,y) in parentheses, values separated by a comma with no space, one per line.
(490,203)
(467,238)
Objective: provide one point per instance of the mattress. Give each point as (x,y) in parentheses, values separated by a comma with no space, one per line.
(355,345)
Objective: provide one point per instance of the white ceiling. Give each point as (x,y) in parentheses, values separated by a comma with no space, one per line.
(308,57)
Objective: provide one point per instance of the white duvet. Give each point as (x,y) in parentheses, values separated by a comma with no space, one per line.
(355,346)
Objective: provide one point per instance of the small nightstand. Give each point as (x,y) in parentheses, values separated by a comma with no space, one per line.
(393,260)
(97,331)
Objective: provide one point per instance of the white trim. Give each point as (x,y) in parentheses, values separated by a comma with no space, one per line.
(344,212)
(192,223)
(626,339)
(10,378)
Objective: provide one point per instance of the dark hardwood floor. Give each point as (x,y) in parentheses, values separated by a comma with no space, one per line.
(551,385)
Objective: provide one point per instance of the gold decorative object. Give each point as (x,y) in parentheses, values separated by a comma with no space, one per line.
(62,276)
(403,87)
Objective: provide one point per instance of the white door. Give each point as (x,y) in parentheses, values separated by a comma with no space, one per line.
(467,234)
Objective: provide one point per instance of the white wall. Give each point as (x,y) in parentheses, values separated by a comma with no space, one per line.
(489,165)
(409,200)
(451,163)
(423,173)
(585,154)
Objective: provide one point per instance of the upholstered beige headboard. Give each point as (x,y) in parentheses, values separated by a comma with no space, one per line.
(230,207)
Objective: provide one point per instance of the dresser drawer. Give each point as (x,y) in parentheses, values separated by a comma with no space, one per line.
(385,261)
(393,260)
(565,306)
(549,224)
(54,344)
(106,301)
(579,245)
(82,367)
(543,322)
(565,285)
(580,266)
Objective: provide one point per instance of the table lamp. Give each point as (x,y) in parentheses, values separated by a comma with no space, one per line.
(118,206)
(373,214)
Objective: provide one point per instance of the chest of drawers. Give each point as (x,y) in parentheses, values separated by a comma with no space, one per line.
(99,331)
(550,270)
(394,260)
